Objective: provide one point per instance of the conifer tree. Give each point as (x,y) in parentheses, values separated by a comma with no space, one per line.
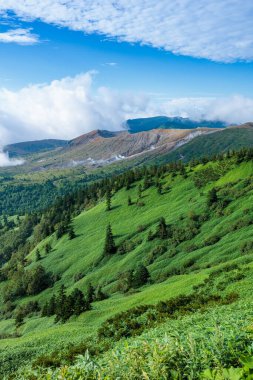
(129,201)
(212,197)
(61,230)
(72,234)
(60,304)
(48,248)
(79,304)
(108,200)
(140,276)
(90,295)
(109,247)
(162,229)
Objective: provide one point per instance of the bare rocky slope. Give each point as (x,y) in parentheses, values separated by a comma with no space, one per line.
(98,148)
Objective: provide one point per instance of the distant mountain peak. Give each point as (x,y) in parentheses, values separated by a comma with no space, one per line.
(165,122)
(93,135)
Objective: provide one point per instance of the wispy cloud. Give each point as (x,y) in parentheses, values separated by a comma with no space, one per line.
(19,36)
(213,29)
(112,64)
(5,160)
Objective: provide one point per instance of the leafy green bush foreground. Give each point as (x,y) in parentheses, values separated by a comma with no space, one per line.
(213,345)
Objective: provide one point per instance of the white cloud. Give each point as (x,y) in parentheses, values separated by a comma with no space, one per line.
(6,161)
(112,64)
(19,36)
(64,109)
(69,107)
(212,29)
(234,109)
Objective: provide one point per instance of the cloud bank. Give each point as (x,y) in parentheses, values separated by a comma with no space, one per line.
(69,107)
(212,29)
(64,109)
(233,109)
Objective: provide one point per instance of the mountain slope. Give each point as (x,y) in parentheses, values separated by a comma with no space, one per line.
(101,153)
(232,138)
(99,148)
(204,239)
(30,147)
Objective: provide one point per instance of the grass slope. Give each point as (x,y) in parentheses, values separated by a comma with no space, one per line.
(211,144)
(131,223)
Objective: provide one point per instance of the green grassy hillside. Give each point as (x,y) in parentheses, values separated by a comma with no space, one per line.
(54,173)
(208,253)
(214,143)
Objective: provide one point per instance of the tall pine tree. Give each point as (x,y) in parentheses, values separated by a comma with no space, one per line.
(108,200)
(109,247)
(162,232)
(212,197)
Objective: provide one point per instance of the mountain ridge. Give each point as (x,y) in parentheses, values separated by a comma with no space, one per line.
(165,122)
(28,147)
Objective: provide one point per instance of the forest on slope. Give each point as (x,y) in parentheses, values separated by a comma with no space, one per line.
(155,249)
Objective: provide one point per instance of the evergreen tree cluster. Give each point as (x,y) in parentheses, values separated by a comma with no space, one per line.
(27,282)
(64,306)
(163,231)
(133,278)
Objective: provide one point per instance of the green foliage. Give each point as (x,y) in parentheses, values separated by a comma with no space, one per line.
(140,276)
(64,306)
(162,232)
(198,242)
(135,321)
(212,197)
(108,200)
(109,246)
(27,282)
(71,233)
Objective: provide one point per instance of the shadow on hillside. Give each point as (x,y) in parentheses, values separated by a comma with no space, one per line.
(115,207)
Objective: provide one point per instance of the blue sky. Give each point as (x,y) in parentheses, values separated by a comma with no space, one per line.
(73,66)
(121,65)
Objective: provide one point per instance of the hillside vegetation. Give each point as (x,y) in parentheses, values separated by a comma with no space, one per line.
(48,175)
(232,138)
(162,259)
